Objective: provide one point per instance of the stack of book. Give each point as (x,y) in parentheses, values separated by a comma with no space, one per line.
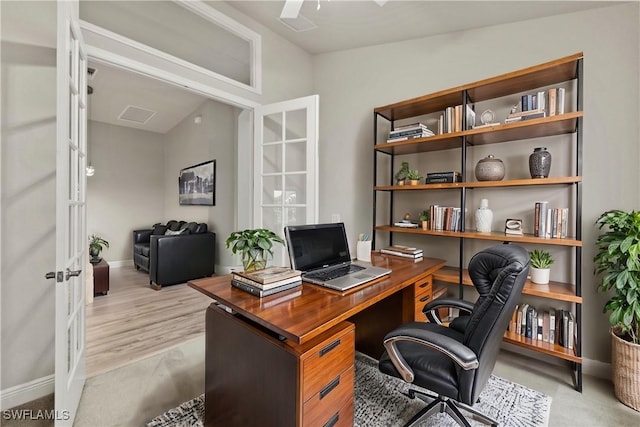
(406,132)
(267,281)
(403,251)
(550,222)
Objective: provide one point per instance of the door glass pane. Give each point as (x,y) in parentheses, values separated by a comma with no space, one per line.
(295,189)
(71,234)
(296,124)
(295,156)
(272,158)
(272,128)
(272,190)
(272,220)
(295,215)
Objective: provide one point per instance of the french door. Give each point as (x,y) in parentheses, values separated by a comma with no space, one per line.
(286,166)
(71,241)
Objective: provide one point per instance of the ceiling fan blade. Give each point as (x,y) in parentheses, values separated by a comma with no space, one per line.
(291,9)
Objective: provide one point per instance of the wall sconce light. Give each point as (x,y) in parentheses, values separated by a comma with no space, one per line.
(90,170)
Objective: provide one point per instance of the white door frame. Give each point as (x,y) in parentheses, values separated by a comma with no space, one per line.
(71,247)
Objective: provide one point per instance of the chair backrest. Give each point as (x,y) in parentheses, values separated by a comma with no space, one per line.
(498,274)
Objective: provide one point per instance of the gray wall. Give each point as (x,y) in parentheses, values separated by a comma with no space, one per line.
(380,75)
(28,99)
(127,190)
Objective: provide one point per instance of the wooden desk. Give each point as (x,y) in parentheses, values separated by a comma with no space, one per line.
(287,359)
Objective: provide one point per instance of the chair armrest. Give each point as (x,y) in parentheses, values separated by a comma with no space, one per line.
(142,236)
(431,308)
(459,353)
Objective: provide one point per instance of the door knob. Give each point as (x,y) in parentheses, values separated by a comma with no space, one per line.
(50,275)
(72,273)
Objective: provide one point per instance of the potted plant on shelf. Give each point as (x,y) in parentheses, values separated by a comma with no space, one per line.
(617,261)
(402,173)
(255,246)
(413,176)
(540,266)
(424,219)
(96,245)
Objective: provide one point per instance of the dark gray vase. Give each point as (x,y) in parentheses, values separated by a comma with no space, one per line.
(540,163)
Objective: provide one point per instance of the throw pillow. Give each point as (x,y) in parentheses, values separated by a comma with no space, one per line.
(173,232)
(159,229)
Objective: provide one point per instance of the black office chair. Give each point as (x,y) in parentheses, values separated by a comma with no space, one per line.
(455,362)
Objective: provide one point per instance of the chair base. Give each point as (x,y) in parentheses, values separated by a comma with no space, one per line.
(440,404)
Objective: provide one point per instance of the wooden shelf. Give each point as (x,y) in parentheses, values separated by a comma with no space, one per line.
(534,128)
(495,236)
(482,184)
(543,347)
(554,290)
(546,74)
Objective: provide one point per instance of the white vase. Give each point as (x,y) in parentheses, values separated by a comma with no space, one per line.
(540,275)
(484,217)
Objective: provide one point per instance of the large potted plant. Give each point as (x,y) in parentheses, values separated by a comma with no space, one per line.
(255,246)
(617,262)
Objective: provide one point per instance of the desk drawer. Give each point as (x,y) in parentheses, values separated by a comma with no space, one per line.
(336,397)
(423,294)
(326,362)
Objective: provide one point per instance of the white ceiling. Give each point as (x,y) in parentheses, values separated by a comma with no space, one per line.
(342,24)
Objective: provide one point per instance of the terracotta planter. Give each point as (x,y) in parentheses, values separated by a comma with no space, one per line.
(401,182)
(414,181)
(425,225)
(625,371)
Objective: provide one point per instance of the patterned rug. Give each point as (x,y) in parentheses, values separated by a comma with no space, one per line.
(379,402)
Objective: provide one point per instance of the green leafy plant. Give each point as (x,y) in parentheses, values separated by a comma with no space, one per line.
(96,245)
(617,261)
(402,173)
(255,246)
(424,216)
(413,174)
(540,259)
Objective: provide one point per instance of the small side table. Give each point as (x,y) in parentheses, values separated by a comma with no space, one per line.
(101,277)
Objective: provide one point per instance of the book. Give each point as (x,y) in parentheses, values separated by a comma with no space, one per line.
(269,274)
(514,320)
(400,254)
(264,286)
(403,258)
(560,97)
(404,249)
(406,224)
(552,102)
(264,292)
(552,326)
(545,326)
(540,326)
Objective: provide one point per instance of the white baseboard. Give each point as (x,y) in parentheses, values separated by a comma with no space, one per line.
(123,263)
(23,393)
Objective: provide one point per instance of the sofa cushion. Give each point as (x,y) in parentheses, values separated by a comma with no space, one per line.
(200,228)
(174,232)
(190,227)
(141,248)
(159,229)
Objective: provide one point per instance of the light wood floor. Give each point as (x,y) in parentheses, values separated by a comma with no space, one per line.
(134,321)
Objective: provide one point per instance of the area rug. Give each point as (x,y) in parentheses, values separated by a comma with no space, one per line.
(379,402)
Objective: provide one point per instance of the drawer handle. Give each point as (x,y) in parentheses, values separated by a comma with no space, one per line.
(333,420)
(327,389)
(330,347)
(425,298)
(424,285)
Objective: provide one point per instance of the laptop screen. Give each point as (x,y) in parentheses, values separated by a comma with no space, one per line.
(318,245)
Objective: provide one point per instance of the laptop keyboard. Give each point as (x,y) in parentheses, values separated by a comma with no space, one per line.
(334,272)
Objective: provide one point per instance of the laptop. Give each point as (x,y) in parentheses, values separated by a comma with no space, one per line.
(321,253)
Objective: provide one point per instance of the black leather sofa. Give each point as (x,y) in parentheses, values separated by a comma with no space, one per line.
(175,252)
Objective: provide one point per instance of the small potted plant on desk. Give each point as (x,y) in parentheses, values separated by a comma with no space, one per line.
(96,245)
(617,260)
(255,246)
(540,266)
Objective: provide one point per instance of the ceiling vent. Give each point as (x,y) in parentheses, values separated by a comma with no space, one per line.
(136,114)
(298,24)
